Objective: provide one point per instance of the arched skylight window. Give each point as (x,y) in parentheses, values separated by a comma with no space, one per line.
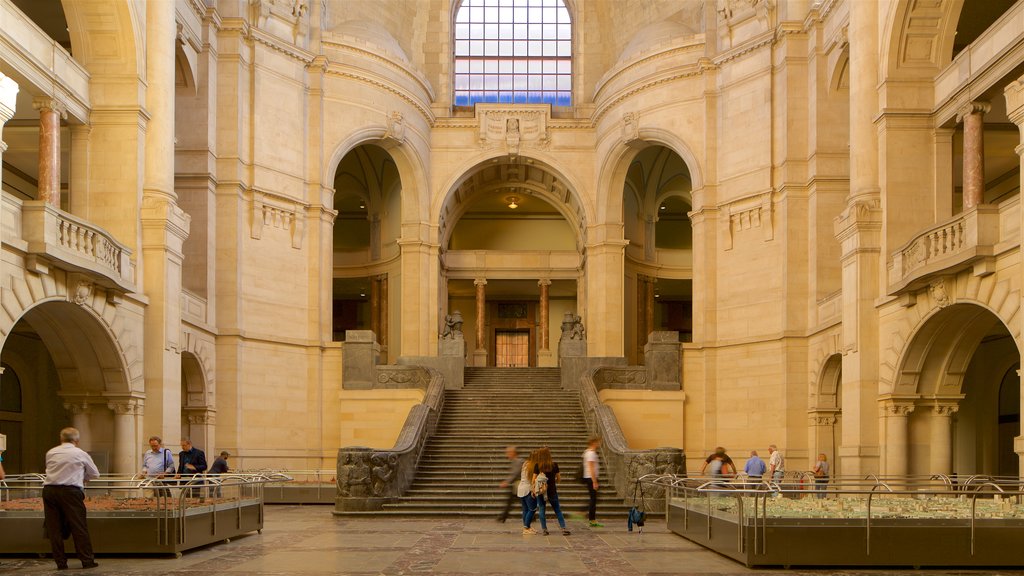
(513,51)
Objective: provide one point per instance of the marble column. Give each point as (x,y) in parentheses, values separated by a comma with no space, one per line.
(383,322)
(80,420)
(50,114)
(972,115)
(649,308)
(125,411)
(896,436)
(375,307)
(1014,93)
(480,354)
(941,457)
(544,356)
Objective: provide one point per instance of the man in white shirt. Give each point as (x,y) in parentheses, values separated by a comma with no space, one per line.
(591,472)
(68,468)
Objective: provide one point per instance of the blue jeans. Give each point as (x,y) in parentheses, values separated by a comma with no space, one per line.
(553,500)
(529,505)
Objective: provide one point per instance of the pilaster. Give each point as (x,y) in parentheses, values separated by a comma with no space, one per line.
(1014,93)
(894,412)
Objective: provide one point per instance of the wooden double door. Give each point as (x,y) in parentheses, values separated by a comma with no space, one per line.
(513,334)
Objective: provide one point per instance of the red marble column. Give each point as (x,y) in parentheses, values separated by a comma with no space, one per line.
(974,152)
(481,313)
(544,284)
(50,113)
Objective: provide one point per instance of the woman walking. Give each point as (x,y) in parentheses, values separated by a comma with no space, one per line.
(524,491)
(549,468)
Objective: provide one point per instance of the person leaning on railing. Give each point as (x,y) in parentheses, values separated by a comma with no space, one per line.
(191,461)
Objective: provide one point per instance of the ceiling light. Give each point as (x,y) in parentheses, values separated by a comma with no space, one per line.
(513,202)
(662,206)
(362,294)
(362,205)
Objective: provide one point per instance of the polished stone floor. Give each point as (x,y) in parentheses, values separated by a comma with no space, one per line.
(309,540)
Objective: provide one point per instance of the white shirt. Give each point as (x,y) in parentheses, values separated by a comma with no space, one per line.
(588,457)
(776,462)
(69,465)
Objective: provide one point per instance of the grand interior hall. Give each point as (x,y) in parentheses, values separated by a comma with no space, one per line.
(381,240)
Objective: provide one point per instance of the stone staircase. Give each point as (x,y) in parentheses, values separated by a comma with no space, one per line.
(464,462)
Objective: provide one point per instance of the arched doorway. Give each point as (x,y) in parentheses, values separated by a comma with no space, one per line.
(952,390)
(368,199)
(825,414)
(70,373)
(656,203)
(511,235)
(196,414)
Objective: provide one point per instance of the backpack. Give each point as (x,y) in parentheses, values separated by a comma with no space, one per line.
(636,516)
(540,484)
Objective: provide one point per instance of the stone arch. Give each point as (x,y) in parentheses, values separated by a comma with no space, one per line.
(620,157)
(839,72)
(910,336)
(411,168)
(561,190)
(917,37)
(102,332)
(198,368)
(106,36)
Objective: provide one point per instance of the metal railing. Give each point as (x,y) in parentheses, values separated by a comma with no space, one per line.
(752,502)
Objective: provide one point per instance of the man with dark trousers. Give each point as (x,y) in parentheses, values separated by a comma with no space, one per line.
(515,467)
(191,461)
(68,468)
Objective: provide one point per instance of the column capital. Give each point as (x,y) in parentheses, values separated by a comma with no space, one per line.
(77,407)
(822,417)
(480,282)
(125,406)
(49,103)
(544,282)
(973,107)
(1014,93)
(945,410)
(893,407)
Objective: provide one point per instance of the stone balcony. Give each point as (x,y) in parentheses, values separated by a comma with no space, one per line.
(52,237)
(970,239)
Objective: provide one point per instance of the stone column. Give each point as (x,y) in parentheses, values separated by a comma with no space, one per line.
(374,306)
(383,322)
(974,152)
(859,231)
(165,227)
(123,459)
(1014,93)
(649,308)
(544,356)
(822,423)
(895,413)
(480,354)
(80,420)
(50,114)
(603,306)
(941,457)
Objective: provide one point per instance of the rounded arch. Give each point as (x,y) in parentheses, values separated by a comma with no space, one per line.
(559,188)
(411,168)
(106,36)
(937,354)
(917,38)
(620,158)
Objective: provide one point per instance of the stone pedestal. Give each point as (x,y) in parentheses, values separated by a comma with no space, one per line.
(662,359)
(571,349)
(455,346)
(361,353)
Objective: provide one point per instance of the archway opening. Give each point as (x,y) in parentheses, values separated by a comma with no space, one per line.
(66,370)
(656,202)
(826,414)
(368,199)
(953,378)
(512,249)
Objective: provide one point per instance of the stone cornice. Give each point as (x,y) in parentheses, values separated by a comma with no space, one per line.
(401,67)
(374,80)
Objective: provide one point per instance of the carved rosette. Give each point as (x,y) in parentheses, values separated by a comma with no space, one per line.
(937,290)
(945,410)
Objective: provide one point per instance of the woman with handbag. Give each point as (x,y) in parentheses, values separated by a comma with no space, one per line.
(821,475)
(547,491)
(525,493)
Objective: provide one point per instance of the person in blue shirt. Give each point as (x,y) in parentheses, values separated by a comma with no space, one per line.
(755,467)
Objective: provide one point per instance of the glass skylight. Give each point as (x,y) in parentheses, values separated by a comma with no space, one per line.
(513,51)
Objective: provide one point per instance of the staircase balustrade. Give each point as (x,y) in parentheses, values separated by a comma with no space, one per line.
(368,478)
(621,463)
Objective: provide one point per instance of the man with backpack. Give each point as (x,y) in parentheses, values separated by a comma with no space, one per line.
(157,463)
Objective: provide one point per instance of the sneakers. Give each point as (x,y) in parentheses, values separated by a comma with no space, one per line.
(596,524)
(565,532)
(528,531)
(89,565)
(546,532)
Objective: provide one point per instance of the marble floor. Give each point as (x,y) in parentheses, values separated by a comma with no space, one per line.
(309,540)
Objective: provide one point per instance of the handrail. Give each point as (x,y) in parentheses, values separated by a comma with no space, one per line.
(625,465)
(367,477)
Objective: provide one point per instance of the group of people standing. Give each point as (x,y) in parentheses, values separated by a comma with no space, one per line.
(539,476)
(158,462)
(722,466)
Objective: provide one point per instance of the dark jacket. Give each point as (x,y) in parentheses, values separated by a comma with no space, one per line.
(194,457)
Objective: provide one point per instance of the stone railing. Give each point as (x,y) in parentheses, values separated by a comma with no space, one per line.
(76,245)
(946,247)
(620,378)
(623,464)
(368,478)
